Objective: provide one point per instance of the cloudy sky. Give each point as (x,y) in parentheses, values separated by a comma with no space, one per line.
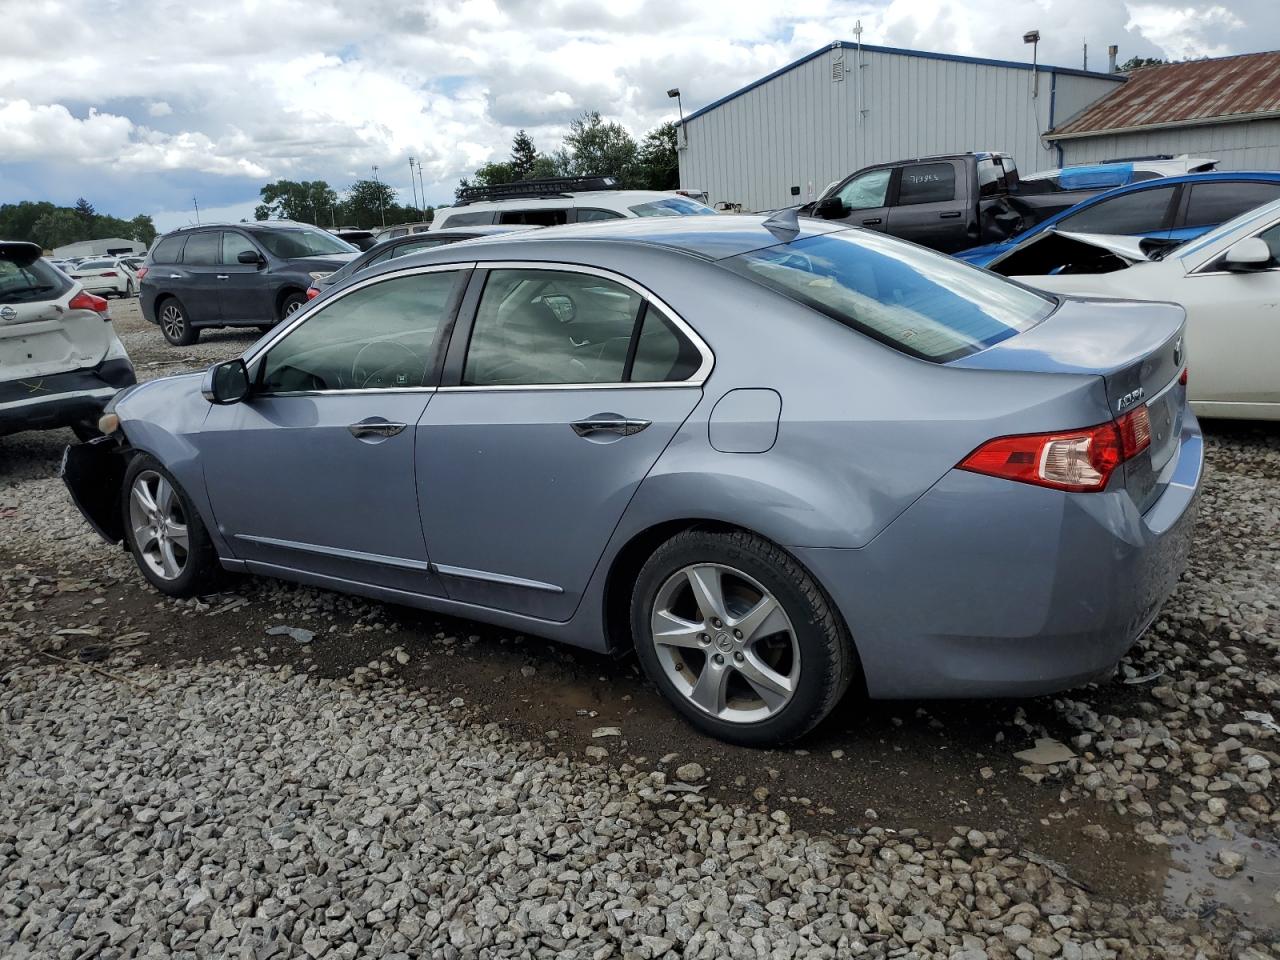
(141,105)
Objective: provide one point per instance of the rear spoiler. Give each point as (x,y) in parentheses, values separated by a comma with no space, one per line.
(20,252)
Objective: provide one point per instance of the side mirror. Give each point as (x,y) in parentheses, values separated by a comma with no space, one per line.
(1251,253)
(249,256)
(226,382)
(831,208)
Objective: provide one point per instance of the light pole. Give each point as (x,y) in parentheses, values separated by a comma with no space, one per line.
(674,94)
(382,210)
(1033,37)
(414,187)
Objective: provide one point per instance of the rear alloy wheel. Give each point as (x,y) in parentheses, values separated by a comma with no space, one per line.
(168,541)
(291,304)
(739,637)
(175,326)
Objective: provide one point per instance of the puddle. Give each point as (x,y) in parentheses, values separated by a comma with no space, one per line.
(1250,893)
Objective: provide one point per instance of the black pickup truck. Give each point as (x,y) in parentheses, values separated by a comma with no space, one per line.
(949,203)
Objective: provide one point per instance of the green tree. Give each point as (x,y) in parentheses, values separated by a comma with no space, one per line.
(143,229)
(371,203)
(523,156)
(17,219)
(308,201)
(1133,63)
(657,165)
(84,210)
(58,228)
(596,147)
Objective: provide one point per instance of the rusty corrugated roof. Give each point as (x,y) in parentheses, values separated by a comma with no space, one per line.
(1172,94)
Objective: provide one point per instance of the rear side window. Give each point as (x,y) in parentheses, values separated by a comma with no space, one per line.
(476,218)
(587,214)
(23,282)
(927,183)
(203,249)
(1140,212)
(536,218)
(169,250)
(922,303)
(662,353)
(1215,203)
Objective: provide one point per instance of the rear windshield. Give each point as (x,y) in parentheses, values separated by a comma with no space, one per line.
(919,302)
(671,207)
(31,282)
(290,244)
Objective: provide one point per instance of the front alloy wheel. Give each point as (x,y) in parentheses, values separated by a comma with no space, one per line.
(159,525)
(175,326)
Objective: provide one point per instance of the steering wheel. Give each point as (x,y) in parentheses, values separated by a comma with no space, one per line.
(365,370)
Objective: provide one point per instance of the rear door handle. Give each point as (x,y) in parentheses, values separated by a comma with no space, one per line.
(223,276)
(620,426)
(872,222)
(949,216)
(375,429)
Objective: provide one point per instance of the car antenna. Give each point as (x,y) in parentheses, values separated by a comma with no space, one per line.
(784,225)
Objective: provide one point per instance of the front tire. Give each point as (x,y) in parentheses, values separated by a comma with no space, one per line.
(291,303)
(739,637)
(175,324)
(164,532)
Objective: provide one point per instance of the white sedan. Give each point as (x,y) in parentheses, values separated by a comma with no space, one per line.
(1228,281)
(106,275)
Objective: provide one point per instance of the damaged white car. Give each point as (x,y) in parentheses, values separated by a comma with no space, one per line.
(1228,281)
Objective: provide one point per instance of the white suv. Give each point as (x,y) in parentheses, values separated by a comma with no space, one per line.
(60,358)
(557,200)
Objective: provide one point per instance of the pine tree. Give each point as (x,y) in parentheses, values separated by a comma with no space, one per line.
(85,211)
(523,156)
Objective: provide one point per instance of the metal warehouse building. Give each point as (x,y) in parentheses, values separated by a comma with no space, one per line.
(1226,108)
(849,105)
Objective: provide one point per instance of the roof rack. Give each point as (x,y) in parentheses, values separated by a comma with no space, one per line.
(534,189)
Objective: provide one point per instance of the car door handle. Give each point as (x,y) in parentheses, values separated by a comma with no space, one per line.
(175,276)
(872,222)
(620,426)
(951,215)
(223,276)
(375,429)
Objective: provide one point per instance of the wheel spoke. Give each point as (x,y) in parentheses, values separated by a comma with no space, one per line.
(169,561)
(762,620)
(147,542)
(177,533)
(164,496)
(142,497)
(672,631)
(709,690)
(773,687)
(708,591)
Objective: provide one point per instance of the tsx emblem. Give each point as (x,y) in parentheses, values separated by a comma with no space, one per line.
(8,313)
(1130,398)
(1177,352)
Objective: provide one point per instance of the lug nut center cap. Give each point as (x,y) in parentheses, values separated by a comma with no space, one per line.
(724,642)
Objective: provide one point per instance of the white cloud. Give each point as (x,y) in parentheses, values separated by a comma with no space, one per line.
(159,108)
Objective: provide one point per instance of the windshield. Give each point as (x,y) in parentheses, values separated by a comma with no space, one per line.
(301,242)
(919,302)
(671,207)
(29,282)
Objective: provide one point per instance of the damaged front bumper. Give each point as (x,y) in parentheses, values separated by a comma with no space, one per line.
(94,475)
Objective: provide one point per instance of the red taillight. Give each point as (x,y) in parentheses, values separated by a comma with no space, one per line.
(1182,380)
(312,293)
(87,301)
(1074,460)
(109,273)
(142,272)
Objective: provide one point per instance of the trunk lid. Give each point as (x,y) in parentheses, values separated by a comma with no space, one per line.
(39,333)
(1135,347)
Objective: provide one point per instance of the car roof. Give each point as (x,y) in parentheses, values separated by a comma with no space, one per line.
(610,198)
(711,238)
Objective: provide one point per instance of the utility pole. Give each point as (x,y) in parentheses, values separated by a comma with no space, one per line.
(422,189)
(196,201)
(414,187)
(382,210)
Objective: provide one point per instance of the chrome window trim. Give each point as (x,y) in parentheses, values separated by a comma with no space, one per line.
(695,379)
(1200,269)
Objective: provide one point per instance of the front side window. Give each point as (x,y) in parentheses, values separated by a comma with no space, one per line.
(289,243)
(919,302)
(1215,203)
(378,337)
(1272,239)
(670,207)
(535,218)
(203,249)
(1131,213)
(868,190)
(234,244)
(927,183)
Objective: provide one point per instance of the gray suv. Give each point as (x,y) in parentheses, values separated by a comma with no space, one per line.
(234,275)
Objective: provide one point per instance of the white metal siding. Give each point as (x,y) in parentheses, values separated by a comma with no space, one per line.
(803,129)
(1243,145)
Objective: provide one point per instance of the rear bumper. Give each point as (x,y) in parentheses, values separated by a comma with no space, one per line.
(42,403)
(986,587)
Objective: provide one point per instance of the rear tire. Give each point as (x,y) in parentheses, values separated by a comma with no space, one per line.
(175,324)
(771,681)
(164,532)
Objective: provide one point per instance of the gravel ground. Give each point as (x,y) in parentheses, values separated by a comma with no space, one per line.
(176,782)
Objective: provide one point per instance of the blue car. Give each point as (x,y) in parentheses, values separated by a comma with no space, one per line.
(774,461)
(1170,208)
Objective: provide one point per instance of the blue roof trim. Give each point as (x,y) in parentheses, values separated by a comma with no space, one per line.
(904,52)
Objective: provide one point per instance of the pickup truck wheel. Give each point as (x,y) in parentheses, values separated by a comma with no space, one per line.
(164,532)
(175,325)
